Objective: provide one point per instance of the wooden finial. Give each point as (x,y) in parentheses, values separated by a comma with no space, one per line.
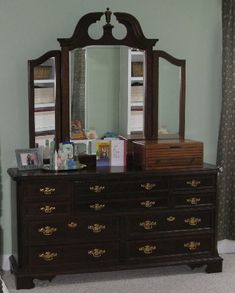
(108,14)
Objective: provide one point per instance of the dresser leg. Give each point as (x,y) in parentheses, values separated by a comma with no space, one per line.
(24,282)
(214,267)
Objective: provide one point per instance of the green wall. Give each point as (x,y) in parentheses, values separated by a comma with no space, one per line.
(189,29)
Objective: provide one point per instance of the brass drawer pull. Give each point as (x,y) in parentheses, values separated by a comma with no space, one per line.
(193,221)
(48,256)
(147,249)
(72,225)
(170,219)
(148,203)
(97,188)
(47,190)
(97,206)
(47,230)
(148,225)
(193,200)
(148,186)
(97,252)
(194,183)
(96,228)
(192,245)
(47,209)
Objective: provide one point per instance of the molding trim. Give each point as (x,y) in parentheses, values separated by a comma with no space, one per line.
(224,246)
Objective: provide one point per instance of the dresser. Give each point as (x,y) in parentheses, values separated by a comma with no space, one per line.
(112,219)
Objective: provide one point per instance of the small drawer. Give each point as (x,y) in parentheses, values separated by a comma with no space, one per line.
(98,228)
(49,256)
(194,199)
(98,206)
(46,209)
(148,249)
(47,231)
(194,182)
(46,191)
(150,203)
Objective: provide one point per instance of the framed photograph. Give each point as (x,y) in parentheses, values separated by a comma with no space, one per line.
(28,159)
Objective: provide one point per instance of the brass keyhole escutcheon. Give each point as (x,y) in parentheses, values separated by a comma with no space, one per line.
(72,225)
(170,219)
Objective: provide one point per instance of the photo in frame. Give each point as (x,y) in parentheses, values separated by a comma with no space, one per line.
(28,159)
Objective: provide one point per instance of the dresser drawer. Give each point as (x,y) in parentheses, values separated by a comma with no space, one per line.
(194,182)
(99,188)
(46,209)
(78,230)
(50,256)
(46,190)
(99,206)
(168,222)
(194,199)
(172,246)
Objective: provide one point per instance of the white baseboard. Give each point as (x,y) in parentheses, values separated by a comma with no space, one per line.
(4,262)
(224,246)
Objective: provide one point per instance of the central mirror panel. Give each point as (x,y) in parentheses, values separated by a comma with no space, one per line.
(106,90)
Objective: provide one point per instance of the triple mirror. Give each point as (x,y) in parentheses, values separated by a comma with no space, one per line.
(107,84)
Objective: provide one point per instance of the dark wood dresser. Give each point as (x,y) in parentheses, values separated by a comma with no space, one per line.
(112,219)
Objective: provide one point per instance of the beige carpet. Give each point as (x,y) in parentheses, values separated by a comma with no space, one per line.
(157,280)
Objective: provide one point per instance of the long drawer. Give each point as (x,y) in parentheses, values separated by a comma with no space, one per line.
(75,230)
(122,203)
(55,256)
(148,224)
(107,188)
(148,249)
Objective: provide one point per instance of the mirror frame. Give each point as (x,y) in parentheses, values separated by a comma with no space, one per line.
(31,94)
(80,38)
(181,63)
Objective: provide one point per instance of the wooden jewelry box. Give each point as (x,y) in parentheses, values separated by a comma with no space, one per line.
(167,154)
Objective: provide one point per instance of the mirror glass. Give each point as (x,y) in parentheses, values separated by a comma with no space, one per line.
(106,90)
(44,102)
(169,99)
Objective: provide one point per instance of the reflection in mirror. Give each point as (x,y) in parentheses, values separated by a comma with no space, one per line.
(44,102)
(106,90)
(169,97)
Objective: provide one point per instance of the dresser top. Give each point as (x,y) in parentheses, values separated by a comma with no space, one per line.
(16,174)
